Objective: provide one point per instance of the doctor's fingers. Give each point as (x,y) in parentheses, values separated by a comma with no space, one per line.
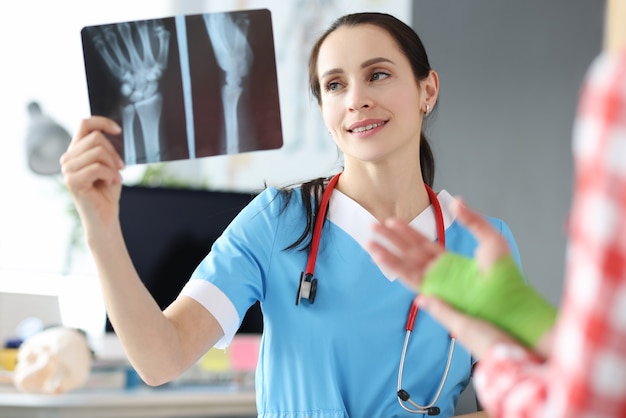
(94,149)
(91,160)
(83,176)
(91,133)
(96,123)
(92,143)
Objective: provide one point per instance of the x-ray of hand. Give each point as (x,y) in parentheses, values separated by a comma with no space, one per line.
(136,55)
(187,86)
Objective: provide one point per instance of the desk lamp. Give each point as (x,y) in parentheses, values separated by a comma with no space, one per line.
(46,141)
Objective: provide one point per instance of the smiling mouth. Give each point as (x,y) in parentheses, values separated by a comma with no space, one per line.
(367,127)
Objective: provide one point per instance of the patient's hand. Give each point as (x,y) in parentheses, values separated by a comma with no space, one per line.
(409,254)
(404,251)
(476,335)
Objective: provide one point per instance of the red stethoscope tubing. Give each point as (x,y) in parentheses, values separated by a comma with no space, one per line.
(319,223)
(441,238)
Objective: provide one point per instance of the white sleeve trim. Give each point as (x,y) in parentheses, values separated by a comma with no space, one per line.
(218,304)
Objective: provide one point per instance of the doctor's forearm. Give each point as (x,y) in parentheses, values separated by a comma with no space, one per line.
(149,339)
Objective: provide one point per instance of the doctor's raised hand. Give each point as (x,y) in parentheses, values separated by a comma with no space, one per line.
(91,167)
(489,287)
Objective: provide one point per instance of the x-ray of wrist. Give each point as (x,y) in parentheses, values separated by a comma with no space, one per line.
(135,53)
(234,56)
(186,86)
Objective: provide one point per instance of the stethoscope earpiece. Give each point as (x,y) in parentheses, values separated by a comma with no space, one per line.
(307,288)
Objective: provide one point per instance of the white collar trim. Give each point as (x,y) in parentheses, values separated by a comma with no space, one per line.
(356,221)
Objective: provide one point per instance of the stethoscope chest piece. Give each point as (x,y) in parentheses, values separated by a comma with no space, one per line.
(307,288)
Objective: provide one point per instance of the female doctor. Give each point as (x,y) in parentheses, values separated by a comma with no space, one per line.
(335,342)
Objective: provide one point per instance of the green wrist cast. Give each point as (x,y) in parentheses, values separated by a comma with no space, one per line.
(499,296)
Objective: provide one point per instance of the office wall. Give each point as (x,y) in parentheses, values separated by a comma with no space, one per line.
(510,72)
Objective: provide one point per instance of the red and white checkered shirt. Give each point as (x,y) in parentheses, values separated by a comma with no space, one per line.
(585,375)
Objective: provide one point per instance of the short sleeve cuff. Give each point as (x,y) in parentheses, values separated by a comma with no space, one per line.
(218,304)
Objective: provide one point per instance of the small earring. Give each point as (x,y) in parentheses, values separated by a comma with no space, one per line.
(427,110)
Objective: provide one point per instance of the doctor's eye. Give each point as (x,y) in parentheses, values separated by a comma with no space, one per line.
(333,86)
(379,75)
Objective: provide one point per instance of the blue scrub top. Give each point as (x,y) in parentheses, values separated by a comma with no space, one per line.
(338,357)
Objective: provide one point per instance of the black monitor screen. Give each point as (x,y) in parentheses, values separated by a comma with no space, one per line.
(169,231)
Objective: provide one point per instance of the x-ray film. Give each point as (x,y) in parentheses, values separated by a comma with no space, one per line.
(185,87)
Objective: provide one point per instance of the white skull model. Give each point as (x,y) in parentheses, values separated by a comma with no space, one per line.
(53,361)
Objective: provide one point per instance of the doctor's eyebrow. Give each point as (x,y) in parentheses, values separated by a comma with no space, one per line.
(376,60)
(365,64)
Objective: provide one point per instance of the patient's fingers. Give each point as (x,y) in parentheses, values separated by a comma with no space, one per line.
(401,235)
(475,222)
(491,244)
(403,250)
(476,335)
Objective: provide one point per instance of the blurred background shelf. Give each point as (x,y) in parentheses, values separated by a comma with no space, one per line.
(170,402)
